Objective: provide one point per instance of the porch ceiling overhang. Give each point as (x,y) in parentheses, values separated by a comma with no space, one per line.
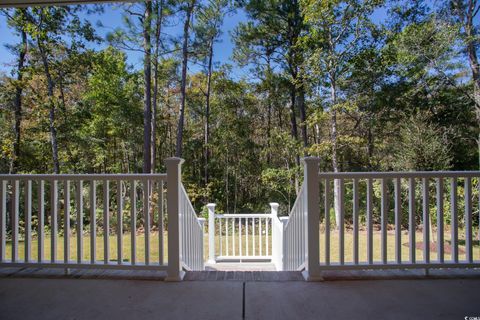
(31,3)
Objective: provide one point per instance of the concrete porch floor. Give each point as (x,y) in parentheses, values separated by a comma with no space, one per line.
(29,295)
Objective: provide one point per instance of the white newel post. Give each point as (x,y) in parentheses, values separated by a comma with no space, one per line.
(211,232)
(312,190)
(174,183)
(277,237)
(283,221)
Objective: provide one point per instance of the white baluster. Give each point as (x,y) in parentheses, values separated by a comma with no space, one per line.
(79,209)
(93,222)
(120,223)
(411,219)
(66,222)
(211,232)
(106,221)
(28,220)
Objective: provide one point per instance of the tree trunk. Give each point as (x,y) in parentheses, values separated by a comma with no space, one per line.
(50,87)
(18,104)
(473,59)
(158,31)
(336,187)
(147,98)
(207,109)
(303,114)
(293,120)
(181,120)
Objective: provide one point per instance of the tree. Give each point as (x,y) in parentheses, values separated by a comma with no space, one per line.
(337,32)
(422,146)
(188,8)
(208,31)
(146,18)
(22,52)
(273,34)
(463,12)
(46,27)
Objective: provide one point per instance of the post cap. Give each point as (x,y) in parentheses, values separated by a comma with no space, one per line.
(274,205)
(211,205)
(308,160)
(174,160)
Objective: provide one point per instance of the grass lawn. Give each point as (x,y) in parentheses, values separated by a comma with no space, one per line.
(154,247)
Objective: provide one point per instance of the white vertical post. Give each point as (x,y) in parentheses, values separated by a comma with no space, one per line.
(93,223)
(355,220)
(41,220)
(28,220)
(468,220)
(411,219)
(440,240)
(211,232)
(3,219)
(312,189)
(370,221)
(284,244)
(15,208)
(384,220)
(133,222)
(174,183)
(202,234)
(277,237)
(66,221)
(160,221)
(426,220)
(120,223)
(341,223)
(79,209)
(146,216)
(327,221)
(106,221)
(454,219)
(53,219)
(398,222)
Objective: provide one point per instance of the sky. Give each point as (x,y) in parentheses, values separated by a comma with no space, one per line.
(111,18)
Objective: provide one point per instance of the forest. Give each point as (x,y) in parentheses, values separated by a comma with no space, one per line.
(366,85)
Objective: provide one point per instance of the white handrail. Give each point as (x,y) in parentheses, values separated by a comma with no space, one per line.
(191,234)
(88,176)
(57,202)
(402,209)
(295,235)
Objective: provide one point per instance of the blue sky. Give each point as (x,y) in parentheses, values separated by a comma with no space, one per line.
(111,19)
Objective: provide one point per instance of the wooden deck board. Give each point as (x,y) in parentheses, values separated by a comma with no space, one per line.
(240,275)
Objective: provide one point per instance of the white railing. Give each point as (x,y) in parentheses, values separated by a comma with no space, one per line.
(191,235)
(410,210)
(240,237)
(295,235)
(278,237)
(82,221)
(390,220)
(114,221)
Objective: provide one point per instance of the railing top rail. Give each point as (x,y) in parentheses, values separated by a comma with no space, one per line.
(243,215)
(190,206)
(127,176)
(404,174)
(293,211)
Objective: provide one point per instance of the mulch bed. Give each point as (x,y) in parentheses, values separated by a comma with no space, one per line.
(447,248)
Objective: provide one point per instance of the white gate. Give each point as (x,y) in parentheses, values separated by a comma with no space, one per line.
(244,236)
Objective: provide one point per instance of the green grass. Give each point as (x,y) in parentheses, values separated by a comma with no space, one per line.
(154,247)
(391,245)
(126,246)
